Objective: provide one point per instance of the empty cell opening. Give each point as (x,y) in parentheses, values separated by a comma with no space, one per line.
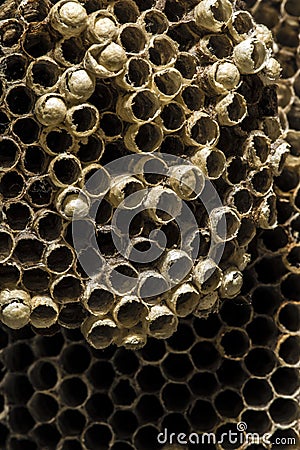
(287,34)
(123,393)
(205,355)
(270,270)
(35,160)
(275,239)
(14,67)
(126,11)
(9,275)
(284,410)
(131,313)
(172,144)
(75,358)
(286,380)
(99,407)
(20,420)
(293,257)
(289,317)
(101,374)
(186,65)
(229,403)
(59,141)
(150,378)
(124,423)
(84,119)
(292,7)
(138,72)
(49,346)
(182,339)
(290,287)
(133,39)
(6,244)
(289,350)
(68,288)
(50,226)
(102,97)
(72,51)
(126,361)
(38,41)
(236,109)
(219,46)
(21,444)
(265,300)
(236,170)
(257,421)
(60,259)
(148,137)
(43,407)
(146,438)
(262,331)
(260,361)
(154,350)
(36,280)
(145,105)
(231,373)
(177,366)
(45,73)
(235,312)
(10,32)
(91,150)
(29,250)
(20,100)
(235,343)
(204,131)
(243,22)
(72,315)
(176,397)
(100,300)
(43,375)
(287,180)
(173,10)
(261,181)
(46,435)
(66,170)
(228,229)
(202,416)
(172,116)
(203,384)
(71,422)
(243,201)
(209,327)
(257,392)
(18,389)
(4,123)
(149,408)
(26,129)
(192,97)
(11,184)
(111,124)
(162,51)
(169,83)
(43,313)
(155,22)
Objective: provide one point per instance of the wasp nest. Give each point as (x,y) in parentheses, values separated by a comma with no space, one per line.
(85,85)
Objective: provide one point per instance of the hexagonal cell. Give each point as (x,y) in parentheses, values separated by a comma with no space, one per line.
(231,373)
(260,361)
(123,393)
(229,403)
(257,392)
(99,407)
(75,358)
(146,438)
(43,407)
(150,378)
(43,375)
(149,408)
(202,416)
(176,396)
(125,361)
(73,391)
(97,435)
(154,350)
(205,356)
(286,380)
(101,374)
(235,343)
(177,366)
(182,339)
(17,388)
(71,422)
